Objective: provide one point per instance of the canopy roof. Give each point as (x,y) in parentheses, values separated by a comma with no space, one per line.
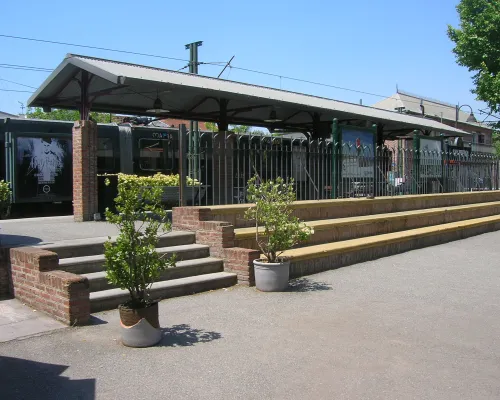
(125,88)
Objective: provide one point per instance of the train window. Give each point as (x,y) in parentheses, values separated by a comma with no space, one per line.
(155,155)
(105,155)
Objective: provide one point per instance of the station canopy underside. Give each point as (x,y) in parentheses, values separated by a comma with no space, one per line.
(131,89)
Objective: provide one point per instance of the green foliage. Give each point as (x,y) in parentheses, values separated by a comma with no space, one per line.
(239,129)
(132,261)
(159,179)
(477,47)
(5,198)
(212,126)
(66,115)
(279,230)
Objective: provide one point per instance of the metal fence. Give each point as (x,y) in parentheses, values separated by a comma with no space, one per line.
(224,162)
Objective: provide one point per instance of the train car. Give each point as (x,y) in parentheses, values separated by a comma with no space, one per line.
(37,161)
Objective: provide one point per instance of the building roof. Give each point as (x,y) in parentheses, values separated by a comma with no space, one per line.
(7,115)
(410,103)
(131,89)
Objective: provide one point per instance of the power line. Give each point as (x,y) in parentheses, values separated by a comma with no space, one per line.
(17,83)
(91,47)
(184,60)
(18,91)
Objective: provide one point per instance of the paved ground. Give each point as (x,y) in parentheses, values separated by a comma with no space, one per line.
(29,231)
(19,321)
(421,325)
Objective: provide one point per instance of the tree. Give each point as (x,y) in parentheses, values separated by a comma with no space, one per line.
(66,115)
(477,47)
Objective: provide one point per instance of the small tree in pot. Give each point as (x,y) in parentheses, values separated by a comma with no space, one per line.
(132,262)
(277,230)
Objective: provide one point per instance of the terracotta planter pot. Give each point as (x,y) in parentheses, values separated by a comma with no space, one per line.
(140,327)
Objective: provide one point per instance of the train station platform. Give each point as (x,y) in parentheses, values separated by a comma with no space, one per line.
(47,230)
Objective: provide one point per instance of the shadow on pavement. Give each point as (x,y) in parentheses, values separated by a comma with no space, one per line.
(26,379)
(96,321)
(307,285)
(17,240)
(184,335)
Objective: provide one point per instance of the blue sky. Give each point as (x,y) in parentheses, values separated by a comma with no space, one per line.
(364,45)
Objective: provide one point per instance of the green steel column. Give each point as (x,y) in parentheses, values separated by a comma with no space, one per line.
(336,158)
(416,163)
(375,160)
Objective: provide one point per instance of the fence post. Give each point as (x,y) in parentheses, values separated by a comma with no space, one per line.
(182,164)
(416,162)
(375,162)
(335,157)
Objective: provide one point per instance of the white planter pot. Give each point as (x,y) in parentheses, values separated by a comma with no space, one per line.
(271,277)
(139,327)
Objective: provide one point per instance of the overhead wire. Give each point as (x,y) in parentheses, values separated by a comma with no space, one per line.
(214,63)
(17,83)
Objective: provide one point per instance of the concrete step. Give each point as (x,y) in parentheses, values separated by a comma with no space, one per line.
(322,257)
(95,246)
(182,269)
(339,229)
(95,263)
(111,298)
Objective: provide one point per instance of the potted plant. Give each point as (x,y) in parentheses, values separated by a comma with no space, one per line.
(131,261)
(277,230)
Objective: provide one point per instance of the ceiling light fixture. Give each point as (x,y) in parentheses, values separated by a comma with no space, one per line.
(272,117)
(157,106)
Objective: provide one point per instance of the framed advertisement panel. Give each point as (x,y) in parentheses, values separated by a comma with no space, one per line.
(42,167)
(358,152)
(430,157)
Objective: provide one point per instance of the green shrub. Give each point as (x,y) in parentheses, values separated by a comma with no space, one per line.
(277,229)
(132,262)
(5,198)
(161,179)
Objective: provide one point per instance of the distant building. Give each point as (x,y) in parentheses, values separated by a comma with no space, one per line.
(480,139)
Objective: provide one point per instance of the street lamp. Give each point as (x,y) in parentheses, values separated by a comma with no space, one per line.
(470,118)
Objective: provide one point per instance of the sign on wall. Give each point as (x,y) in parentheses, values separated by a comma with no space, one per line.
(357,153)
(431,158)
(43,168)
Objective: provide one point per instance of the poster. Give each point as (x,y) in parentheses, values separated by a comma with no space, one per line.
(431,158)
(357,153)
(43,168)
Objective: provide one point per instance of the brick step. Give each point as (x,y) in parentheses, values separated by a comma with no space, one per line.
(95,263)
(95,246)
(111,298)
(332,230)
(189,218)
(182,269)
(322,257)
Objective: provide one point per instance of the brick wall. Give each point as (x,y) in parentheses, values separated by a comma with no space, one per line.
(216,234)
(240,262)
(38,283)
(84,170)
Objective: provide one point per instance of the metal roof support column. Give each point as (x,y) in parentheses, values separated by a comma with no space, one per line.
(336,158)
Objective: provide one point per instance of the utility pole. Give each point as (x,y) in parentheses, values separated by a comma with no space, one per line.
(194,133)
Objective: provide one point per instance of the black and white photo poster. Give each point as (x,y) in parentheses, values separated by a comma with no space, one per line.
(44,168)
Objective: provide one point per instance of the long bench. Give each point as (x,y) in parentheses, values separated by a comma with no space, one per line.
(332,230)
(189,218)
(322,257)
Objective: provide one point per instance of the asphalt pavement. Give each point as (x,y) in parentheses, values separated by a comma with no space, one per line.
(420,325)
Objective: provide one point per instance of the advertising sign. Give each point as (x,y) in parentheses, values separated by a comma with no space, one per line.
(357,153)
(43,168)
(431,159)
